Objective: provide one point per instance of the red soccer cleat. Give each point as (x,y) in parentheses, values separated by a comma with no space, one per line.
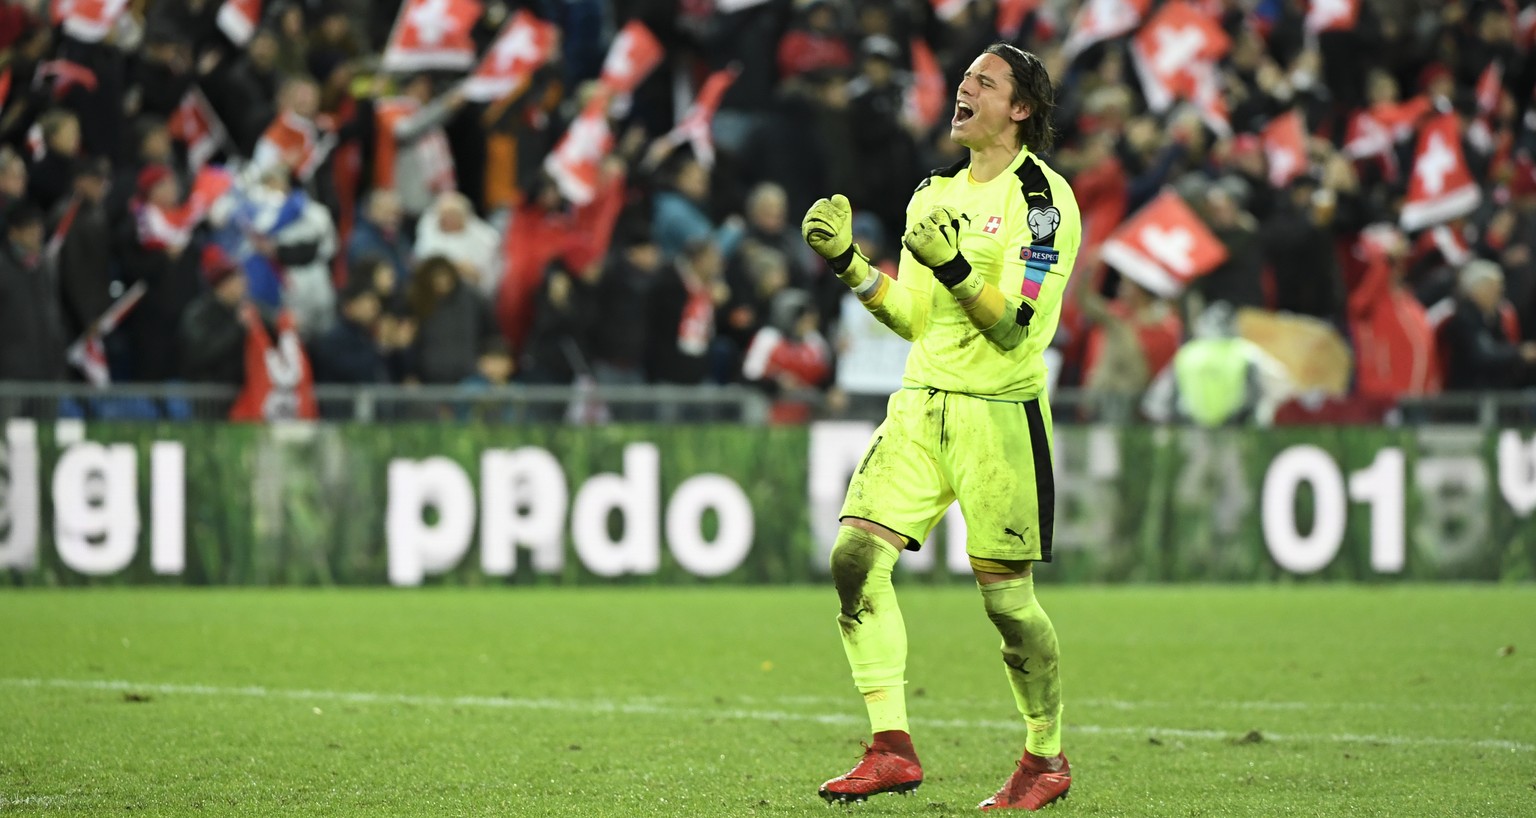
(1037,782)
(889,765)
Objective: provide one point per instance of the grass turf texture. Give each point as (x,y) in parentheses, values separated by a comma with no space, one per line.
(1384,701)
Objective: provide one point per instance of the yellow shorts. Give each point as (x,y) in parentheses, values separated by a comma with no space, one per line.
(935,447)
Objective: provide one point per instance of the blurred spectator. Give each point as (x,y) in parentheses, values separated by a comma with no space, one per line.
(348,352)
(85,252)
(212,334)
(1482,350)
(411,154)
(452,230)
(166,257)
(13,178)
(789,356)
(558,347)
(621,311)
(1217,378)
(293,141)
(682,208)
(1394,342)
(242,88)
(152,147)
(1296,240)
(814,41)
(453,324)
(299,241)
(53,163)
(1133,338)
(1237,281)
(887,155)
(32,337)
(682,315)
(377,235)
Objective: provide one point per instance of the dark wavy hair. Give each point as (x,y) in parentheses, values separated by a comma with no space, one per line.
(1031,88)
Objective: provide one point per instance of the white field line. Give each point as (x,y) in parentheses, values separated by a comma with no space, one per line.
(1123,704)
(652,708)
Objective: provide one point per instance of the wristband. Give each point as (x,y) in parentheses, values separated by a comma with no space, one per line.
(952,272)
(840,264)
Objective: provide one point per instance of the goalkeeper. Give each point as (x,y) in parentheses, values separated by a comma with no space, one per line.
(989,244)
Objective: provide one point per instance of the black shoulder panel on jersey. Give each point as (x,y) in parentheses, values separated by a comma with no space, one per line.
(1043,216)
(948,172)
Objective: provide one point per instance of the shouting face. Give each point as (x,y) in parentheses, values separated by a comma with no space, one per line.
(985,113)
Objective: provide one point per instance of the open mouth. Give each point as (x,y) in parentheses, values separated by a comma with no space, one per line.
(963,112)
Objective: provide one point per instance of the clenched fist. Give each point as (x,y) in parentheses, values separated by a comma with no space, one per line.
(935,242)
(828,228)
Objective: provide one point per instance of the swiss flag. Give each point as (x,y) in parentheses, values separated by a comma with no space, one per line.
(695,126)
(1331,15)
(1175,51)
(633,55)
(1164,247)
(525,44)
(925,98)
(1100,20)
(1285,147)
(1442,187)
(89,21)
(88,353)
(172,229)
(432,35)
(1368,138)
(238,19)
(575,161)
(195,125)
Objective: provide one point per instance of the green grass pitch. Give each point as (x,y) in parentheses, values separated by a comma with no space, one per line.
(1181,701)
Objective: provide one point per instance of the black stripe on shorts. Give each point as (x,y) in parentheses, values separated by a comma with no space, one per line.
(1045,480)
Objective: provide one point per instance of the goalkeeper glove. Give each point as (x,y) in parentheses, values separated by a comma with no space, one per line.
(828,229)
(935,242)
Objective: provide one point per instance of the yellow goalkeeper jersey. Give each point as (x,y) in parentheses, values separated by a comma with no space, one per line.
(1020,232)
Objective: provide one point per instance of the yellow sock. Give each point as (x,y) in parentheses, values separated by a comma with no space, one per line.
(1030,654)
(874,634)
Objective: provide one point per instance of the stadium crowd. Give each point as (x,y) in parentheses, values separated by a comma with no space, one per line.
(1362,170)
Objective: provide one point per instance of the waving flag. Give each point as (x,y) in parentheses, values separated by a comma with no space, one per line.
(88,353)
(575,161)
(1331,15)
(633,55)
(1100,20)
(89,21)
(925,98)
(695,126)
(525,44)
(1442,186)
(1285,146)
(1175,51)
(238,19)
(433,34)
(1164,247)
(195,125)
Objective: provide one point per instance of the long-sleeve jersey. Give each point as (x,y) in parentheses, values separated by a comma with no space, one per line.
(1020,232)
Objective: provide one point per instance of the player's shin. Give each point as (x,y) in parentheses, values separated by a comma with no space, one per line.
(1030,654)
(874,635)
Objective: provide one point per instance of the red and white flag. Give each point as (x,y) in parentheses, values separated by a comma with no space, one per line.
(1100,20)
(633,55)
(238,19)
(1331,15)
(88,353)
(433,35)
(1164,247)
(947,10)
(89,21)
(695,125)
(1285,147)
(295,142)
(1490,84)
(1367,138)
(195,125)
(1211,101)
(925,98)
(575,162)
(525,44)
(1174,51)
(172,229)
(1442,187)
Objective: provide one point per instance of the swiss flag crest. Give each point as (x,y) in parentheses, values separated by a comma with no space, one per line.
(633,55)
(1285,147)
(1175,52)
(1331,15)
(575,161)
(525,44)
(89,21)
(433,35)
(195,125)
(1164,247)
(994,224)
(238,18)
(1100,20)
(1442,187)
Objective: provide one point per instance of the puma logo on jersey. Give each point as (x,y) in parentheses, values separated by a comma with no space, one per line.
(1033,193)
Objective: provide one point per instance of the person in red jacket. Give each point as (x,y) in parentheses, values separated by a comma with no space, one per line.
(1394,341)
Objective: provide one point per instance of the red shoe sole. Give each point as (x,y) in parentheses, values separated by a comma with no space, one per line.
(856,797)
